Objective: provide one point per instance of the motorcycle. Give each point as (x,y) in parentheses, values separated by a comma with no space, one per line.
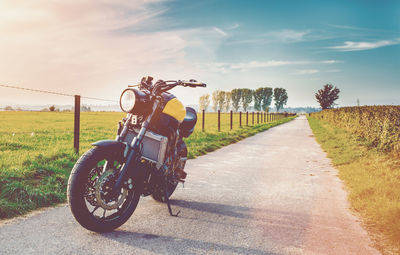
(147,157)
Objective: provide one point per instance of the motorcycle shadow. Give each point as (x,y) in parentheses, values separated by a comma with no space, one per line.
(163,244)
(242,212)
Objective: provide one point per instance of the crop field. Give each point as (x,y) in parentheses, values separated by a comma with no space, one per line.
(36,151)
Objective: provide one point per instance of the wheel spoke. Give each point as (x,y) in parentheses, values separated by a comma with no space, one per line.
(97,207)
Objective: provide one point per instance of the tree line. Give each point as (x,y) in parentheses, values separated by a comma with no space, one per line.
(242,98)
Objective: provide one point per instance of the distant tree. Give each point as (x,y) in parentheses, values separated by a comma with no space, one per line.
(280,97)
(228,97)
(8,108)
(258,94)
(327,96)
(221,99)
(266,98)
(85,108)
(52,108)
(215,100)
(247,98)
(236,96)
(204,102)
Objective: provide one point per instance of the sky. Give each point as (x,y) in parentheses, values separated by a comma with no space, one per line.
(96,48)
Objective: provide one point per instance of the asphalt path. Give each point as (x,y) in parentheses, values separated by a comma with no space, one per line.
(273,193)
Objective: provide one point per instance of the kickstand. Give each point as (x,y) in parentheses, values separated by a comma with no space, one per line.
(167,199)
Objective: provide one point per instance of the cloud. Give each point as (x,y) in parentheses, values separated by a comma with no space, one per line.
(281,36)
(225,67)
(288,35)
(86,48)
(220,31)
(234,26)
(306,71)
(357,46)
(331,61)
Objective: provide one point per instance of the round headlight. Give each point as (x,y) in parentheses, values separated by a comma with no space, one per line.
(127,100)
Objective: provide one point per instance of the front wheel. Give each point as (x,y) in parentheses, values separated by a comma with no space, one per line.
(89,186)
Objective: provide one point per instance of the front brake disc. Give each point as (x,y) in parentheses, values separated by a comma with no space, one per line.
(102,188)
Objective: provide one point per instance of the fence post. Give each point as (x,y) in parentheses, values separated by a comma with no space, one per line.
(231,119)
(258,118)
(77,122)
(252,120)
(240,119)
(247,118)
(265,117)
(219,120)
(203,117)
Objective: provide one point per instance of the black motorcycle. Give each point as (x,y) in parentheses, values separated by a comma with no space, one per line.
(147,157)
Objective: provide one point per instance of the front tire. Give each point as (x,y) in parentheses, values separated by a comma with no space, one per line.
(89,184)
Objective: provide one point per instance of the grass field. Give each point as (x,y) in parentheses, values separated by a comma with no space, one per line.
(36,151)
(372,178)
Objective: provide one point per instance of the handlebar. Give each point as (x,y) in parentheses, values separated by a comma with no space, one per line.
(193,84)
(163,86)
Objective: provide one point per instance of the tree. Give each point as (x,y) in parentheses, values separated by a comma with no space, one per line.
(228,97)
(257,94)
(221,99)
(52,108)
(8,108)
(85,108)
(236,95)
(215,100)
(247,98)
(204,102)
(280,97)
(327,96)
(266,98)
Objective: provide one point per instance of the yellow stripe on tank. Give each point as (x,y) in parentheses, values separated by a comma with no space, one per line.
(175,109)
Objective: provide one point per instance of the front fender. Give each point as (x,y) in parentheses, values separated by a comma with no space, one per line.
(112,144)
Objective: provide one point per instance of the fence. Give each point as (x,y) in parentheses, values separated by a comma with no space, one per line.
(77,108)
(237,120)
(210,121)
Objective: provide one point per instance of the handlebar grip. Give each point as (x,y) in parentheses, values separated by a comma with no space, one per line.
(195,84)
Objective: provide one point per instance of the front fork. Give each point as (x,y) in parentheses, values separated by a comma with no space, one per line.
(132,151)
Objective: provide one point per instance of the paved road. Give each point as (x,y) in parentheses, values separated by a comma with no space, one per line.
(273,193)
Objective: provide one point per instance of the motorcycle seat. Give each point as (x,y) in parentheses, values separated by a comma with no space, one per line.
(189,122)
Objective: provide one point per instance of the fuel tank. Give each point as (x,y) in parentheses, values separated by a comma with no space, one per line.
(167,121)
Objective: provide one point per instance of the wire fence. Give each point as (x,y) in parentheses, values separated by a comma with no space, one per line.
(210,122)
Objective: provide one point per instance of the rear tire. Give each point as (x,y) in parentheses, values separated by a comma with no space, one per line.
(159,195)
(83,191)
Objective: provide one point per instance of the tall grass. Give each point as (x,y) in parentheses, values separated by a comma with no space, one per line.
(372,178)
(380,125)
(36,152)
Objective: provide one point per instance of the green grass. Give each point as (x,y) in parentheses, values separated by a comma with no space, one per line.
(372,179)
(36,151)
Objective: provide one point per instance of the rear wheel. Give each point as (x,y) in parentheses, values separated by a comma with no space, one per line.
(159,194)
(89,186)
